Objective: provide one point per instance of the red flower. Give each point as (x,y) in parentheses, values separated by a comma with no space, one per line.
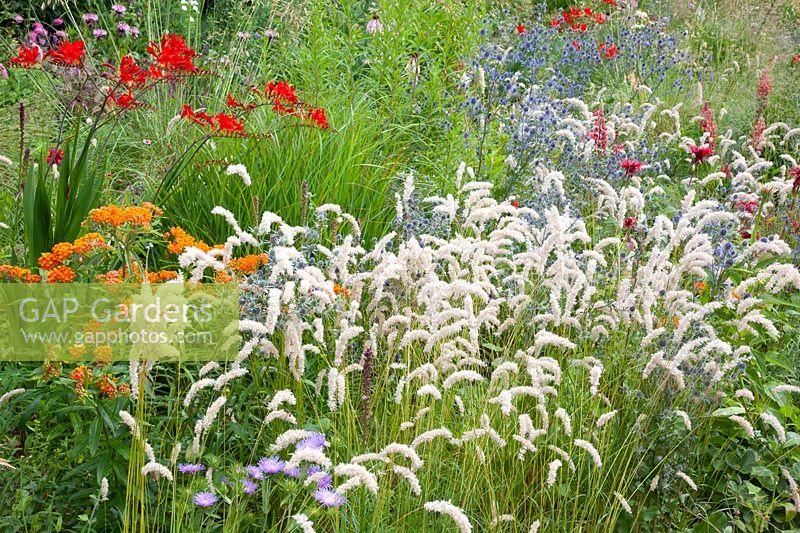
(521,28)
(611,52)
(233,102)
(576,45)
(26,58)
(281,91)
(701,153)
(124,101)
(317,116)
(750,206)
(54,157)
(587,11)
(795,173)
(515,203)
(200,117)
(69,54)
(228,123)
(764,85)
(629,223)
(631,166)
(708,124)
(796,59)
(744,234)
(599,131)
(130,73)
(610,2)
(555,23)
(600,18)
(173,54)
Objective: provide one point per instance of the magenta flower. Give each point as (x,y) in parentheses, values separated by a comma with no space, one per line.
(119,9)
(250,487)
(254,472)
(90,19)
(58,22)
(100,33)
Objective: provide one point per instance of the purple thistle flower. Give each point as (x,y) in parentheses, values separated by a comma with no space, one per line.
(100,33)
(315,441)
(325,481)
(292,472)
(205,499)
(38,29)
(250,487)
(328,498)
(123,29)
(90,19)
(119,9)
(134,32)
(189,468)
(271,465)
(254,472)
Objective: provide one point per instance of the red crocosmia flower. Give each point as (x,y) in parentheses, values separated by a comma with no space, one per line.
(600,46)
(227,123)
(582,27)
(317,116)
(200,117)
(555,23)
(587,11)
(515,203)
(600,18)
(701,153)
(629,222)
(233,102)
(55,157)
(26,58)
(611,52)
(69,54)
(130,73)
(631,166)
(610,2)
(744,234)
(521,28)
(281,91)
(576,45)
(124,101)
(173,54)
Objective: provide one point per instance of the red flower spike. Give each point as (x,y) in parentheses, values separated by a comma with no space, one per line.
(317,116)
(26,58)
(228,124)
(55,157)
(521,28)
(68,54)
(631,166)
(130,73)
(173,54)
(701,153)
(629,223)
(123,101)
(234,103)
(281,91)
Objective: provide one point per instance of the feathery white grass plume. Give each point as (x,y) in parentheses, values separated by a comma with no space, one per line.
(689,481)
(687,422)
(605,418)
(774,423)
(305,524)
(241,171)
(793,492)
(10,394)
(623,502)
(552,472)
(745,425)
(744,393)
(408,475)
(447,508)
(535,527)
(129,421)
(591,450)
(357,475)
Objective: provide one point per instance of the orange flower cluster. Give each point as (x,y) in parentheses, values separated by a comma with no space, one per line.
(161,276)
(50,370)
(341,291)
(53,261)
(61,274)
(13,272)
(116,216)
(103,355)
(108,386)
(248,264)
(178,240)
(82,376)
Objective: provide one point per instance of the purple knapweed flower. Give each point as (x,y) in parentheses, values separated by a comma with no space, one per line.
(205,499)
(90,19)
(58,22)
(254,472)
(324,482)
(328,498)
(123,29)
(250,487)
(190,468)
(134,32)
(18,19)
(271,465)
(315,441)
(100,33)
(119,9)
(292,472)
